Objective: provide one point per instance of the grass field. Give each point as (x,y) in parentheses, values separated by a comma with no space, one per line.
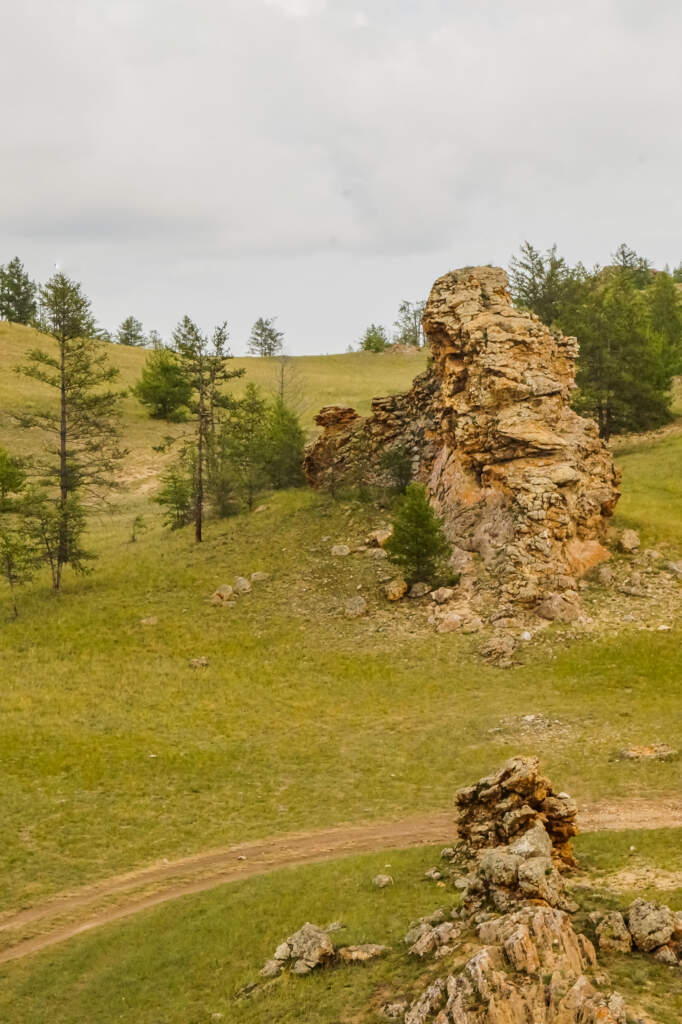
(115,753)
(185,962)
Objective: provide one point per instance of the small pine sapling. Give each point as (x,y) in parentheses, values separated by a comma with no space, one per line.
(418,545)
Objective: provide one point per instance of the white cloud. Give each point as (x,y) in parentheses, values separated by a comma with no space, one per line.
(151,142)
(298,8)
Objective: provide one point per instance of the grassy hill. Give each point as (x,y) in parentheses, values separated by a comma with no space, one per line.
(115,753)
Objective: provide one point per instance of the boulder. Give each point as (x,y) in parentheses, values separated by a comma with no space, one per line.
(242,585)
(377,538)
(559,607)
(629,542)
(381,881)
(650,924)
(201,662)
(450,623)
(395,590)
(306,949)
(259,577)
(355,607)
(419,590)
(340,550)
(442,594)
(361,954)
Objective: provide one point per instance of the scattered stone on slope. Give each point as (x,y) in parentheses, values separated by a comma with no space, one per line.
(559,607)
(442,594)
(355,607)
(361,954)
(499,649)
(242,585)
(377,538)
(259,577)
(419,589)
(307,948)
(395,589)
(629,542)
(516,475)
(651,924)
(201,662)
(613,935)
(381,881)
(150,620)
(340,551)
(223,593)
(656,752)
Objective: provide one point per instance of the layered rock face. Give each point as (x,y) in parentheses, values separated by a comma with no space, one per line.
(517,476)
(501,807)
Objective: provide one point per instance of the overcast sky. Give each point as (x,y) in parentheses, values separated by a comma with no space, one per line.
(320,160)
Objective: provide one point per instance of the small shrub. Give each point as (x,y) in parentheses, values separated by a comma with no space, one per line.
(418,545)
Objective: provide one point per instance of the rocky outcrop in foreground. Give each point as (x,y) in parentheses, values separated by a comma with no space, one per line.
(518,477)
(523,959)
(513,801)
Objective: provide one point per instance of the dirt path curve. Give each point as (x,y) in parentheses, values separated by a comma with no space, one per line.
(171,880)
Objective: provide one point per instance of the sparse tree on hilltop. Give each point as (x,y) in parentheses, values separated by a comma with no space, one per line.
(81,448)
(375,339)
(265,339)
(407,329)
(17,294)
(289,387)
(205,368)
(131,332)
(635,267)
(539,282)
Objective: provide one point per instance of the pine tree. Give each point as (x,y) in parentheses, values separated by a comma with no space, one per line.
(265,339)
(131,332)
(17,294)
(243,444)
(636,268)
(418,545)
(81,448)
(177,493)
(284,444)
(540,282)
(204,366)
(624,376)
(18,553)
(163,386)
(375,339)
(664,305)
(12,480)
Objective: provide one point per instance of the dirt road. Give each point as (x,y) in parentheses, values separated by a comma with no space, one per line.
(70,914)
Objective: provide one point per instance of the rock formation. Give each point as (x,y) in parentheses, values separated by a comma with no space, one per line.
(511,802)
(523,960)
(518,477)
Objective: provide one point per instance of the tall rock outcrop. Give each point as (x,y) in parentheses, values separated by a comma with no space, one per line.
(518,477)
